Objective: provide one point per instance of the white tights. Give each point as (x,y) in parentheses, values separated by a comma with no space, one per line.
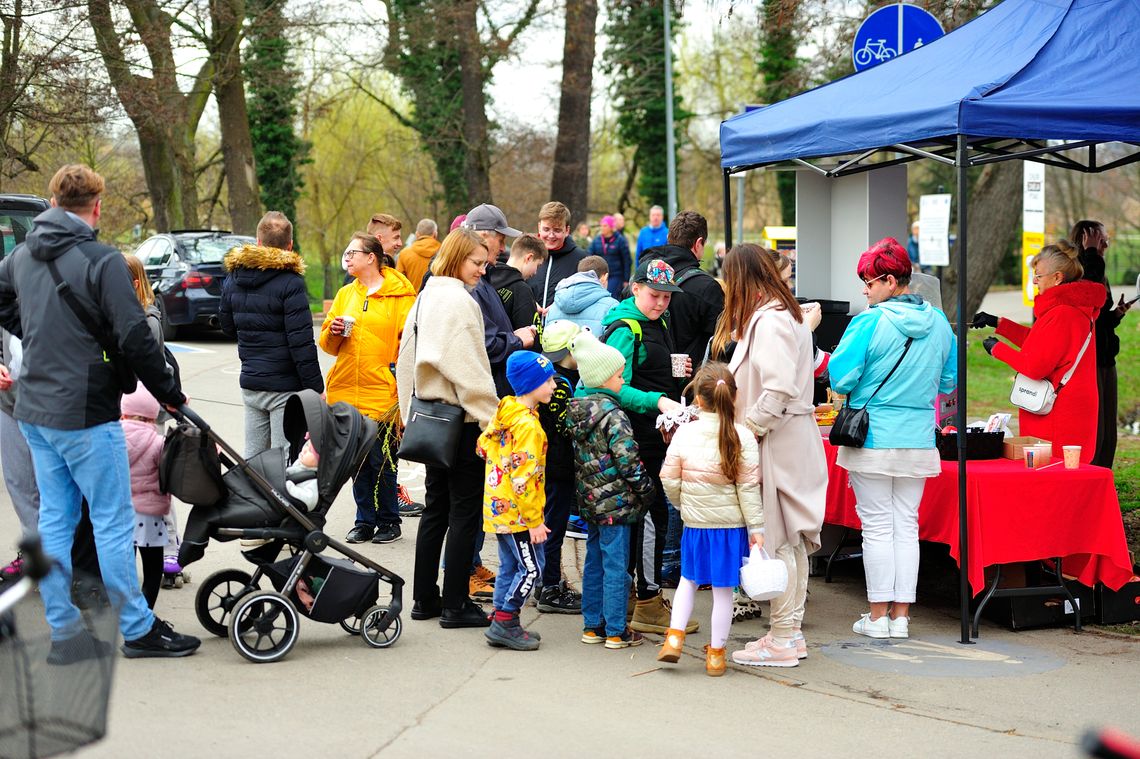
(721,611)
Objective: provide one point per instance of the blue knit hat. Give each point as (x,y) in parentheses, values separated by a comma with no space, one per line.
(526,371)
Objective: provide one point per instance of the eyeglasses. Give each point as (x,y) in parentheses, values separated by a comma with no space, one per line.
(478,264)
(349,253)
(867,282)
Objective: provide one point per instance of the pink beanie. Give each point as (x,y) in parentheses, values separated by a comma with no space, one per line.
(457,221)
(139,403)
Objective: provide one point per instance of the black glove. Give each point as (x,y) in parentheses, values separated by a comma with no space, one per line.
(982,319)
(989,344)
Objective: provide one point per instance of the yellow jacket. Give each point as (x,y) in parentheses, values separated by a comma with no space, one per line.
(362,375)
(514,446)
(414,259)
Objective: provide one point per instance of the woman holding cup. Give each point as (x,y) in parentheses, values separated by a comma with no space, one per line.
(363,330)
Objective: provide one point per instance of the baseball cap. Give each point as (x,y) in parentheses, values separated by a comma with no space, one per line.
(489,217)
(657,275)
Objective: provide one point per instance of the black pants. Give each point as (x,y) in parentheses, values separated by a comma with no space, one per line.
(84,557)
(560,496)
(453,509)
(1106,416)
(151,572)
(648,537)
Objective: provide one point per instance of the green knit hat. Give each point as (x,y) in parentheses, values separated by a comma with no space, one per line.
(597,362)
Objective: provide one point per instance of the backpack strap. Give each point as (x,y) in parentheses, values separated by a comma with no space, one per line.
(634,326)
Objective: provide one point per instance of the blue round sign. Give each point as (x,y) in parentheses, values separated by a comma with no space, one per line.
(891,31)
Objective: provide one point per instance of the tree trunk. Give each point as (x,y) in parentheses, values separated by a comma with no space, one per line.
(243,199)
(571,179)
(994,218)
(477,170)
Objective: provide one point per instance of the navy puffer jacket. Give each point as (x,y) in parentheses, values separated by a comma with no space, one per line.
(265,305)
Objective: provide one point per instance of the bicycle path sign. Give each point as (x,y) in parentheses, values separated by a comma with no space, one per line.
(891,31)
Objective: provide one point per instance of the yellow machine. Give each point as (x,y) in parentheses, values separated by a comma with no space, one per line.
(780,238)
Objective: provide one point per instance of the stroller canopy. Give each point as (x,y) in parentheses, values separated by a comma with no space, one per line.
(341,435)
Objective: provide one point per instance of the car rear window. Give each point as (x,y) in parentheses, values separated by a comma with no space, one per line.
(14,226)
(210,250)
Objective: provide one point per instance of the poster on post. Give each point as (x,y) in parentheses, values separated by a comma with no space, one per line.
(1032,225)
(934,230)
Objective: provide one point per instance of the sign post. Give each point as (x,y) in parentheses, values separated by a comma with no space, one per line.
(934,230)
(1032,225)
(891,31)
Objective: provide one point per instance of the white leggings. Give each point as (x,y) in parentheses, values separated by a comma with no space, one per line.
(721,610)
(888,509)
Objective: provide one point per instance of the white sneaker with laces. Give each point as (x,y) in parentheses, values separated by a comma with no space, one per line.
(872,628)
(899,628)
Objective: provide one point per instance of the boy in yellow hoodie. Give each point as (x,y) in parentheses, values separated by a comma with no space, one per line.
(514,447)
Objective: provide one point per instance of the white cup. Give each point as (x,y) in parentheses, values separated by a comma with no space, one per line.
(677,360)
(349,322)
(1072,456)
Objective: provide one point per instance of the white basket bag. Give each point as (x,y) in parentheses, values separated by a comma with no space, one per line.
(763,578)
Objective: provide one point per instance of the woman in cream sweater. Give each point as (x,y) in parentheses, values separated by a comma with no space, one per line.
(442,358)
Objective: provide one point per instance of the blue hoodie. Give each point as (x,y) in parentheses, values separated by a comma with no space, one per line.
(580,298)
(902,413)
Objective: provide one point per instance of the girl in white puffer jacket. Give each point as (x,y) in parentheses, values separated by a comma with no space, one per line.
(711,472)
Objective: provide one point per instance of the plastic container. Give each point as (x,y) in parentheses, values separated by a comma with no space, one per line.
(980,445)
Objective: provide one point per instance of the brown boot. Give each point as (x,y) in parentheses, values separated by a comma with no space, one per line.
(671,649)
(654,614)
(714,661)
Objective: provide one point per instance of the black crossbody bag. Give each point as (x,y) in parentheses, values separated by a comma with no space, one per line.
(852,424)
(432,429)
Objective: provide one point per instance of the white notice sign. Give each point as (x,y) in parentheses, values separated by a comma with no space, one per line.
(1033,198)
(934,230)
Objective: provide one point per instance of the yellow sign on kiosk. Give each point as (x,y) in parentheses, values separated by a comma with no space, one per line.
(1031,244)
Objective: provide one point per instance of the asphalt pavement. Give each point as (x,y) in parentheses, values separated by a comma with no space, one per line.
(446,692)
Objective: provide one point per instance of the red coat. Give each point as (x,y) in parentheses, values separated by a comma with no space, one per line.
(1065,314)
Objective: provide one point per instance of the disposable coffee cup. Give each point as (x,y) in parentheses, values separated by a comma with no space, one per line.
(1030,457)
(349,321)
(678,362)
(1072,456)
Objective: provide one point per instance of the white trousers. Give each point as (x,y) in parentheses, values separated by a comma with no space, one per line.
(888,509)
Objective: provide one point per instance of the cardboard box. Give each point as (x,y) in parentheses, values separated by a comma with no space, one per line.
(1015,446)
(1117,607)
(1041,611)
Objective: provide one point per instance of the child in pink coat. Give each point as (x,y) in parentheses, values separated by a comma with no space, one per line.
(144,449)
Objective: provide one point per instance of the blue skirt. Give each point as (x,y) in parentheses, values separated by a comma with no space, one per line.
(713,555)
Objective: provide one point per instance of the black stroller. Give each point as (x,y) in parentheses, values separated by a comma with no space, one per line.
(262,624)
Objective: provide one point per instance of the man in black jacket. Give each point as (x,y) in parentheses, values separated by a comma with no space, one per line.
(510,280)
(266,307)
(85,336)
(693,311)
(554,231)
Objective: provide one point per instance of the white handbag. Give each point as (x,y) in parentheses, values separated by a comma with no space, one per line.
(763,578)
(1037,396)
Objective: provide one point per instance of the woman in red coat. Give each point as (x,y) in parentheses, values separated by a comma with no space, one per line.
(1065,309)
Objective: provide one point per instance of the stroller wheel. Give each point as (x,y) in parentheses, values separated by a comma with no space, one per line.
(351,625)
(217,596)
(264,626)
(375,632)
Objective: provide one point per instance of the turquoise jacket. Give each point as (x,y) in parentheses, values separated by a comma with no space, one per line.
(902,413)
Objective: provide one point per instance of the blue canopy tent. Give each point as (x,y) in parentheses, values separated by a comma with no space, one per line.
(1050,80)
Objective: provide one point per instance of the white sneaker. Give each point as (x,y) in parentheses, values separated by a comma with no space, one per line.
(899,628)
(872,628)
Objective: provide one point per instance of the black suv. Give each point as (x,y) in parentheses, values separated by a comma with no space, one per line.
(185,269)
(16,214)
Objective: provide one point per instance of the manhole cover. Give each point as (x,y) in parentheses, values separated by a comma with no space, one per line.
(943,657)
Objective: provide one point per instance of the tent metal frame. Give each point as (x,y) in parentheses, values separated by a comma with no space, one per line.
(962,152)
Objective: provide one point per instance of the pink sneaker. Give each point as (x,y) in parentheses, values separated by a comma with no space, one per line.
(801,645)
(768,653)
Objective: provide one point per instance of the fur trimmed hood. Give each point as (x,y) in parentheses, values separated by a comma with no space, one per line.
(264,258)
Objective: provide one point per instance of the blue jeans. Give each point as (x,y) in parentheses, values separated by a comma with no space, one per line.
(92,464)
(374,490)
(605,577)
(520,564)
(671,556)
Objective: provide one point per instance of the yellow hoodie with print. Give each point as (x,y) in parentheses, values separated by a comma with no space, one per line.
(514,447)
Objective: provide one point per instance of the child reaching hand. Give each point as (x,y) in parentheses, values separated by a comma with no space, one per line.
(711,472)
(139,411)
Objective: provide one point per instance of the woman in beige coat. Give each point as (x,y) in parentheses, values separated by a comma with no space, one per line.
(772,362)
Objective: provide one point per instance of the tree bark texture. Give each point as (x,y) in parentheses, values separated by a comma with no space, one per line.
(994,217)
(571,178)
(243,201)
(477,170)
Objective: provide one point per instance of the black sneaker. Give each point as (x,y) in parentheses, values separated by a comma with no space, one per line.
(558,599)
(408,507)
(469,615)
(361,533)
(422,610)
(387,533)
(161,641)
(79,647)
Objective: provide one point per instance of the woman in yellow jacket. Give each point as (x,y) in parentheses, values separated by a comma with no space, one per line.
(371,310)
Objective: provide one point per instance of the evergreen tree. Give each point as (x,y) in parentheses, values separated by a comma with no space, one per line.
(272,83)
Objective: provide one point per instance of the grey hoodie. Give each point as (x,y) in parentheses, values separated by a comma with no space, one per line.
(65,383)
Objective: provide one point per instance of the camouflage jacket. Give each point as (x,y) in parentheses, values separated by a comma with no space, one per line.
(613,486)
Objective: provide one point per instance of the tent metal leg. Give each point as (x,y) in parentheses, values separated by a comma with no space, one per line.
(963,163)
(728,210)
(1036,591)
(847,541)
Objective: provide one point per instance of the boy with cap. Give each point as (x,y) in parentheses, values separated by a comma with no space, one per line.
(614,490)
(514,447)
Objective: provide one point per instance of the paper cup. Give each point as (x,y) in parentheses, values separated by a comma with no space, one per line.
(1072,456)
(1030,454)
(349,322)
(677,360)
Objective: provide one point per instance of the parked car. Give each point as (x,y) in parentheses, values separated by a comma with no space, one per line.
(16,215)
(185,270)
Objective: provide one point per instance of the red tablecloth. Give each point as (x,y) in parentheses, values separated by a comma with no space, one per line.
(1014,514)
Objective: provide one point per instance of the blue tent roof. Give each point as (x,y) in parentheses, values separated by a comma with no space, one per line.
(1026,69)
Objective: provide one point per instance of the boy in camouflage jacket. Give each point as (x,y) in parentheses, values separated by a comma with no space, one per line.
(614,490)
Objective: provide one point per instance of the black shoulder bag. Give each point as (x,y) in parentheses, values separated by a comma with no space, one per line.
(432,429)
(852,424)
(112,353)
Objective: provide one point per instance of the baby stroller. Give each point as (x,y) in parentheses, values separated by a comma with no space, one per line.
(262,624)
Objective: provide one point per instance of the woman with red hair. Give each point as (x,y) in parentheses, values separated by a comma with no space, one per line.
(893,360)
